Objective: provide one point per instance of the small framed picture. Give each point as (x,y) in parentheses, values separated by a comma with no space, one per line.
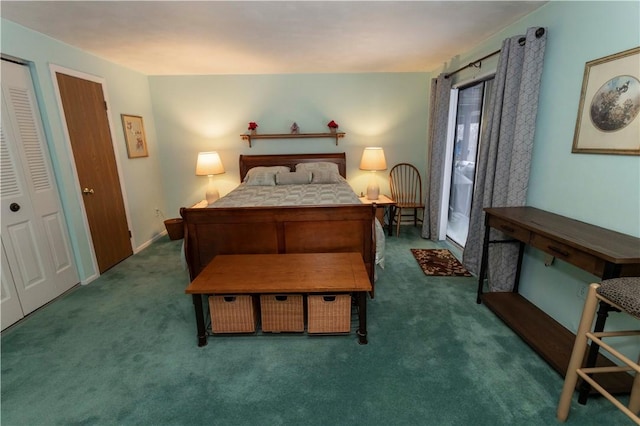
(609,114)
(134,136)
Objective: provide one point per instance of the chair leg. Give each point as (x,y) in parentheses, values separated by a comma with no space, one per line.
(577,355)
(634,399)
(592,356)
(398,220)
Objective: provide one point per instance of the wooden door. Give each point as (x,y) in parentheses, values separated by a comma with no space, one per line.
(85,112)
(37,264)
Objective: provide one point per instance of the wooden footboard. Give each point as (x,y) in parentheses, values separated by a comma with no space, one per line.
(254,230)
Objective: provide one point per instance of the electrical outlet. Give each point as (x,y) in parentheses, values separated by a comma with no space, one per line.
(582,292)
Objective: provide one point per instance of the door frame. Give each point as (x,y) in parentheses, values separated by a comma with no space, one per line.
(78,190)
(451,122)
(448,158)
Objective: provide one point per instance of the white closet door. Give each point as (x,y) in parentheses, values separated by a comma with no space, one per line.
(10,308)
(33,229)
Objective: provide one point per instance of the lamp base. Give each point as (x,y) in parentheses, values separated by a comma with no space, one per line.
(212,193)
(212,196)
(373,190)
(373,193)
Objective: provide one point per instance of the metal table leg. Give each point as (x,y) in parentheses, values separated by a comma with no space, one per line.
(202,332)
(362,317)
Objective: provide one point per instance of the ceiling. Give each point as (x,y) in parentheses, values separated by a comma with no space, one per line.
(270,37)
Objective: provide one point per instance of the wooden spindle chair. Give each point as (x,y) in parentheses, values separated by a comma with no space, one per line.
(406,190)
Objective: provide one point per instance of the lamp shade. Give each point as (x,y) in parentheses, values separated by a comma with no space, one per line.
(373,159)
(209,164)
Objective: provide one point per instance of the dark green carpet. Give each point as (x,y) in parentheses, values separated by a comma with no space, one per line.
(122,351)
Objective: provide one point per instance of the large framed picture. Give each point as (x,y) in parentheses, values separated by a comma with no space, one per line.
(608,117)
(134,136)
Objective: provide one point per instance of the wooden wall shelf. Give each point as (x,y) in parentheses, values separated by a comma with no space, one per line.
(249,137)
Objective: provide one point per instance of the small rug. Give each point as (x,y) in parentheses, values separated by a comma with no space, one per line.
(439,262)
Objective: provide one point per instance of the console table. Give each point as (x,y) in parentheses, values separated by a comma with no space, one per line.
(282,273)
(601,252)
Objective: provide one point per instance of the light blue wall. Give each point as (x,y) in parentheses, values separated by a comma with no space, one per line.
(204,113)
(603,190)
(127,92)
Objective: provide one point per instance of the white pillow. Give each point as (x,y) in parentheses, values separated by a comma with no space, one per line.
(317,166)
(293,178)
(273,170)
(324,176)
(260,178)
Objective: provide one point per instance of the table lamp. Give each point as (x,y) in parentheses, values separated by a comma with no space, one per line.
(209,164)
(373,160)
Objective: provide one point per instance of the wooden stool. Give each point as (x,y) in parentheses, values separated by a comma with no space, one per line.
(621,294)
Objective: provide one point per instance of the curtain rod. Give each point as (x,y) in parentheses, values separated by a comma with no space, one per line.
(477,63)
(473,64)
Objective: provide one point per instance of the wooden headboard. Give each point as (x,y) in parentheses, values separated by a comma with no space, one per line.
(290,160)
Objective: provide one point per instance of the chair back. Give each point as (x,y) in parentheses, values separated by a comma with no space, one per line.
(405,184)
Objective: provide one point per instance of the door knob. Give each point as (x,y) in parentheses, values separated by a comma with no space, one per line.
(87,191)
(14,207)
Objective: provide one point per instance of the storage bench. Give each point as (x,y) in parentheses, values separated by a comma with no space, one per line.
(313,274)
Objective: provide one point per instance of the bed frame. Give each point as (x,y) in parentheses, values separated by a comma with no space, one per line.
(300,229)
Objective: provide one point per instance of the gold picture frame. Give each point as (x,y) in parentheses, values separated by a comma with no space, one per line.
(608,119)
(134,136)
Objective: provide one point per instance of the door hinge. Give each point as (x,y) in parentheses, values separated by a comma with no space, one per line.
(106,107)
(129,233)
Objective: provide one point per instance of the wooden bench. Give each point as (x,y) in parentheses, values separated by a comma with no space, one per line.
(282,273)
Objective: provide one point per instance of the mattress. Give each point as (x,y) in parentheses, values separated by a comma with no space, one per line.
(288,195)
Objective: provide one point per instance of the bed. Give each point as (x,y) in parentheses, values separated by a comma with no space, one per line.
(304,218)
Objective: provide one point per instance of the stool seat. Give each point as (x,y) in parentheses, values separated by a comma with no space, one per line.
(624,292)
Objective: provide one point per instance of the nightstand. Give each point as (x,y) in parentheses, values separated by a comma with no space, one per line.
(382,204)
(200,205)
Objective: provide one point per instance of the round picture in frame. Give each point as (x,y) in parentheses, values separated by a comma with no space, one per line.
(616,104)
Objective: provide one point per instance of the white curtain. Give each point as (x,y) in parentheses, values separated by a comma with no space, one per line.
(502,176)
(439,116)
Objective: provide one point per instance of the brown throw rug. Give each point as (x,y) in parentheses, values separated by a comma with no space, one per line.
(439,262)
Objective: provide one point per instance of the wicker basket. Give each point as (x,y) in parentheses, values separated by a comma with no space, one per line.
(175,228)
(282,313)
(232,314)
(329,313)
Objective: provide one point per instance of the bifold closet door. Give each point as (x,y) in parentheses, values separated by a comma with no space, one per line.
(10,307)
(33,228)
